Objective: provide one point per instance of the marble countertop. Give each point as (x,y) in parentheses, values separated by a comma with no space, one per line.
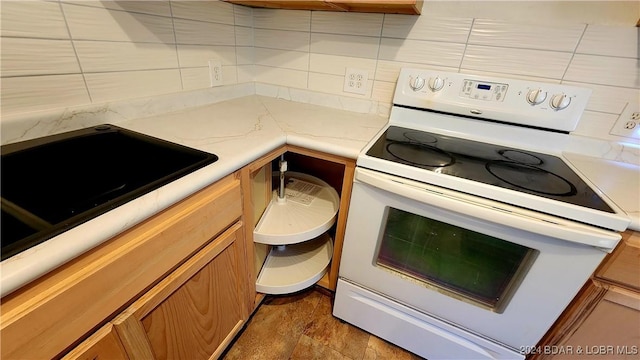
(240,131)
(618,181)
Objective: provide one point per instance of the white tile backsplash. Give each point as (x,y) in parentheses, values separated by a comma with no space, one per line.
(113,86)
(336,65)
(526,36)
(22,57)
(345,45)
(389,70)
(608,99)
(296,60)
(211,11)
(288,20)
(280,76)
(195,78)
(229,74)
(595,123)
(245,55)
(198,78)
(383,91)
(244,36)
(604,70)
(610,41)
(34,93)
(154,7)
(483,72)
(539,63)
(346,23)
(421,52)
(199,55)
(36,19)
(246,73)
(203,33)
(426,27)
(91,23)
(281,39)
(102,56)
(129,49)
(243,16)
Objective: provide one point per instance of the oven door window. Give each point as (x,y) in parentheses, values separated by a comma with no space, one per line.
(461,263)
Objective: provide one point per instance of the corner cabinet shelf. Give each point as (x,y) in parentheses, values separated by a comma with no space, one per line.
(290,268)
(303,246)
(296,226)
(309,209)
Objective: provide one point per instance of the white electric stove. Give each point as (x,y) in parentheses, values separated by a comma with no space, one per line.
(468,233)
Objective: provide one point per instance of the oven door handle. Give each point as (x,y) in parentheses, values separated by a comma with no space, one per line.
(489,210)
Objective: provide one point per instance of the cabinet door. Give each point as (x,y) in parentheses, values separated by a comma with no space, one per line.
(40,320)
(611,331)
(195,312)
(103,344)
(621,267)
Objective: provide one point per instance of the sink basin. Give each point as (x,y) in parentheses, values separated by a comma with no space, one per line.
(54,183)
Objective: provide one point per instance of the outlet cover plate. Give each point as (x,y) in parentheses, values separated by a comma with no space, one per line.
(628,124)
(356,80)
(215,72)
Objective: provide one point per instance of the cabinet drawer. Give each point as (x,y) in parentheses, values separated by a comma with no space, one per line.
(102,345)
(623,266)
(611,331)
(45,317)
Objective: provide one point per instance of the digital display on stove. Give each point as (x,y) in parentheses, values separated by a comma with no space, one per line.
(484,87)
(524,171)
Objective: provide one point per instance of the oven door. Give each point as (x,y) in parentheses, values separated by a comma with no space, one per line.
(491,269)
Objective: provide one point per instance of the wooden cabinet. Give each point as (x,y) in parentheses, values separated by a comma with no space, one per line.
(53,314)
(178,285)
(604,319)
(409,7)
(102,345)
(622,267)
(610,331)
(257,180)
(195,311)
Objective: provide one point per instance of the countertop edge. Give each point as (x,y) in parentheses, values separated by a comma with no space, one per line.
(273,124)
(27,266)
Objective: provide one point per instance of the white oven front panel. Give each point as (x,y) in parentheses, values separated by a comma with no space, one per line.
(555,276)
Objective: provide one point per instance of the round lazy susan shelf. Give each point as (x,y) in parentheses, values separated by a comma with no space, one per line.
(295,267)
(296,226)
(308,210)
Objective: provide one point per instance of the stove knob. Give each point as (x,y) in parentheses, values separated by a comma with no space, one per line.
(536,96)
(436,83)
(416,83)
(559,101)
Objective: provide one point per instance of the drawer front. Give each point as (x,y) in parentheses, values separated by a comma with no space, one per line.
(622,267)
(102,345)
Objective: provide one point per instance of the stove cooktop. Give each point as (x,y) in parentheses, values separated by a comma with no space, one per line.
(524,171)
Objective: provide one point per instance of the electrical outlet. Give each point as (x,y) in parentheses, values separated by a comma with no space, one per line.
(215,72)
(628,124)
(356,80)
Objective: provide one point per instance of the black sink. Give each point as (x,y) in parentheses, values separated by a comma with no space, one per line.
(54,183)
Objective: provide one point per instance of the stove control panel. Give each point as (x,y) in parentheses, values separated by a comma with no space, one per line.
(522,102)
(483,90)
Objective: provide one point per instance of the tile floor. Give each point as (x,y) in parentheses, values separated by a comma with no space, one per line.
(300,326)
